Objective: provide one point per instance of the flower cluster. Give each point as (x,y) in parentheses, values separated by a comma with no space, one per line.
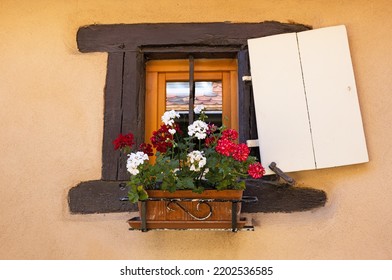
(198,129)
(147,149)
(241,152)
(162,139)
(168,118)
(196,160)
(206,156)
(122,142)
(134,161)
(256,170)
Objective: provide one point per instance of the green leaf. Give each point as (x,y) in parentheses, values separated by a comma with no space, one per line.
(188,183)
(143,195)
(199,189)
(133,196)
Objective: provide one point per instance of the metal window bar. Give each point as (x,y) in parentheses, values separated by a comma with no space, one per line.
(191,88)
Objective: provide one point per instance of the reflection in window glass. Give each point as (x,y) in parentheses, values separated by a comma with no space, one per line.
(207,93)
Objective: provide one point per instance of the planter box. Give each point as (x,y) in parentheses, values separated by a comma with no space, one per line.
(185,209)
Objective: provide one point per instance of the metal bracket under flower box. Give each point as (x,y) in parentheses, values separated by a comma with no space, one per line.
(197,222)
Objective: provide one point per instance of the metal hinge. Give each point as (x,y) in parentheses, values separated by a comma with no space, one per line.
(246,78)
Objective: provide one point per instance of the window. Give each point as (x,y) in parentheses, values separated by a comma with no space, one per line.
(167,88)
(129,47)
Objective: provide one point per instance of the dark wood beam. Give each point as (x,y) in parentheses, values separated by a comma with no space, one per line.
(106,197)
(112,115)
(129,37)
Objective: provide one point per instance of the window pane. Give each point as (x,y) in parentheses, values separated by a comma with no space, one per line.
(207,93)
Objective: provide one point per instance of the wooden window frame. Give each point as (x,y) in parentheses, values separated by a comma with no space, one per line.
(158,72)
(129,47)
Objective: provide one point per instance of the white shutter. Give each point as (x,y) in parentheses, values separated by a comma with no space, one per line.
(306,102)
(281,113)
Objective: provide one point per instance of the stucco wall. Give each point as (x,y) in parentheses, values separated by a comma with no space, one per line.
(51,123)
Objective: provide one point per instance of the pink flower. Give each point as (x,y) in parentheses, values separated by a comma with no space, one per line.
(256,170)
(211,128)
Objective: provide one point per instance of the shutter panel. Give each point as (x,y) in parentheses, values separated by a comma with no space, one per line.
(281,114)
(307,109)
(334,112)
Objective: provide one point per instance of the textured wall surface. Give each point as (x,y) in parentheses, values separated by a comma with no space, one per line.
(51,138)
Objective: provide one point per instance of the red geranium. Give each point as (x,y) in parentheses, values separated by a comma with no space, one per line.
(256,170)
(230,134)
(123,141)
(225,147)
(146,148)
(210,141)
(241,152)
(177,127)
(161,139)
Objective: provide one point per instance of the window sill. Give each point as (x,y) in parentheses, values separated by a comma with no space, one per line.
(105,197)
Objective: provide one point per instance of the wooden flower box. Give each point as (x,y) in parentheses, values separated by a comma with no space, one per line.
(184,209)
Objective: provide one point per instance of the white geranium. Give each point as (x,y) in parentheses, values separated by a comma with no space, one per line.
(198,129)
(134,160)
(196,160)
(198,109)
(169,116)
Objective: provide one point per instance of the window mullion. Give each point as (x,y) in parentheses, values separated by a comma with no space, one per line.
(191,87)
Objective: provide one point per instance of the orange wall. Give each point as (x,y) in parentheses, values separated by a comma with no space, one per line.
(51,138)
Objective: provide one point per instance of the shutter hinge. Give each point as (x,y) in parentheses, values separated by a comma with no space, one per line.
(246,78)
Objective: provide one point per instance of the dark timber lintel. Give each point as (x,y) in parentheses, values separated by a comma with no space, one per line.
(129,37)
